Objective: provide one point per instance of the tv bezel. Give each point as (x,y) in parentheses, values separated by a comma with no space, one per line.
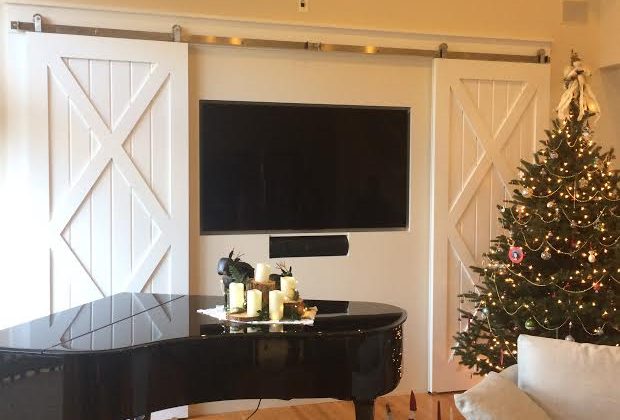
(404,228)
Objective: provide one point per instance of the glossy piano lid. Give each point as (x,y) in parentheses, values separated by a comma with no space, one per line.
(149,319)
(44,333)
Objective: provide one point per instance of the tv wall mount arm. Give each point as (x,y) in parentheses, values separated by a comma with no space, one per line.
(176,35)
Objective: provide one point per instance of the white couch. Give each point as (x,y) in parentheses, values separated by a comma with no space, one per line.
(554,379)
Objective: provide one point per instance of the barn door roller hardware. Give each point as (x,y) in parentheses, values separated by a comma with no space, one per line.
(176,35)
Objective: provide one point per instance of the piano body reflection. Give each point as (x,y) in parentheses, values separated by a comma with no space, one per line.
(131,354)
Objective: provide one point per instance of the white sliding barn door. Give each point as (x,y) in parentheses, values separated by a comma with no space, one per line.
(109,169)
(487,116)
(110,132)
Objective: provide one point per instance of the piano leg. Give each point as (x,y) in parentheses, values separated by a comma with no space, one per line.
(364,409)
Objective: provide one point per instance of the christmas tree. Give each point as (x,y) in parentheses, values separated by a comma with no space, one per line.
(555,272)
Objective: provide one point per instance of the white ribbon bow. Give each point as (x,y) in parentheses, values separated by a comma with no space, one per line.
(578,88)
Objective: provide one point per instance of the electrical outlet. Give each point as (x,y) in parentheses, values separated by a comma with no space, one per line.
(303,5)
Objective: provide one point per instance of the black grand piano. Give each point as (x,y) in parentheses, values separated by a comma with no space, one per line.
(132,354)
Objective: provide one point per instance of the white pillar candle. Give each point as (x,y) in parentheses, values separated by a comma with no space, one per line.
(254,302)
(276,305)
(262,272)
(288,286)
(235,297)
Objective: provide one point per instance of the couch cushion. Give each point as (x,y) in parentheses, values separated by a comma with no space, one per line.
(497,398)
(570,380)
(511,373)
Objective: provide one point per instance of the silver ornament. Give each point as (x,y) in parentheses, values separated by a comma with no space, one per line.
(545,255)
(527,192)
(599,331)
(553,155)
(583,182)
(569,338)
(551,204)
(586,134)
(543,172)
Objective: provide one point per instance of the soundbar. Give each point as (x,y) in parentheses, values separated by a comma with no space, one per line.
(308,246)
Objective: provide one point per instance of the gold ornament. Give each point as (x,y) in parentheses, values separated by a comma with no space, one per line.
(592,256)
(530,324)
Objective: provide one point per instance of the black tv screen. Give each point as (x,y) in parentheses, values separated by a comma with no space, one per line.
(297,167)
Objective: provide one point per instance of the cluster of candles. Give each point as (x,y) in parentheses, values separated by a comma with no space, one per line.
(254,297)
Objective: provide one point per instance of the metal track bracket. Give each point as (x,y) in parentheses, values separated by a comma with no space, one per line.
(314,46)
(37,20)
(543,58)
(176,33)
(443,50)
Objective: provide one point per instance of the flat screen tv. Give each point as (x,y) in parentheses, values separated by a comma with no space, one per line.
(268,167)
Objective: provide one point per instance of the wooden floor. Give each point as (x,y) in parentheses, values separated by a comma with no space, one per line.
(341,410)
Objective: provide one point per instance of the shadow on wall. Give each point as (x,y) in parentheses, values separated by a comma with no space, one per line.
(611,87)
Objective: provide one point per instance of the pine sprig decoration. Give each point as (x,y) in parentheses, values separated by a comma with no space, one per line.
(564,214)
(285,272)
(263,315)
(237,275)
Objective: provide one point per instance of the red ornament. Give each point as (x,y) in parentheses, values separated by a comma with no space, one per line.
(413,406)
(516,254)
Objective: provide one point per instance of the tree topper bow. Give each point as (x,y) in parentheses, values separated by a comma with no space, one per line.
(577,88)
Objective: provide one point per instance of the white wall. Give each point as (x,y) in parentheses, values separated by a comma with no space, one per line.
(610,101)
(386,267)
(18,209)
(610,33)
(609,91)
